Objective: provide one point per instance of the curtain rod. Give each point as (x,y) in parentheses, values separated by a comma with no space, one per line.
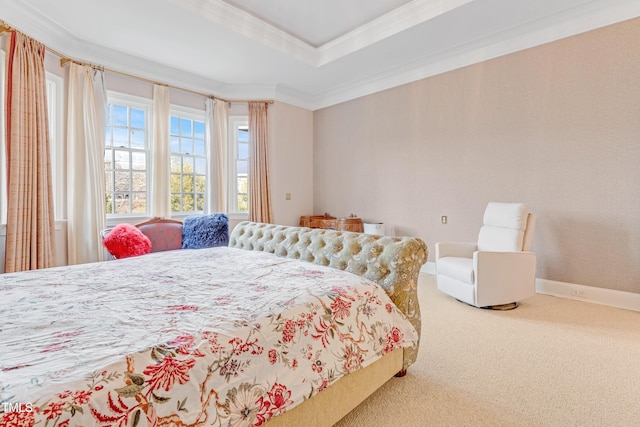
(64,60)
(4,27)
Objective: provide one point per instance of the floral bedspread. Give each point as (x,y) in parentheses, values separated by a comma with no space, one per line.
(218,336)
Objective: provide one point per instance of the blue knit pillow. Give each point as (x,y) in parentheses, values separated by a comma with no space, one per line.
(205,231)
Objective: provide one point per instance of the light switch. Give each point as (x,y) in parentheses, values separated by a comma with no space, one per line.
(443,219)
(287,196)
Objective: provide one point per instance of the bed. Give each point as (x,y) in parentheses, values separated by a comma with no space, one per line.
(220,336)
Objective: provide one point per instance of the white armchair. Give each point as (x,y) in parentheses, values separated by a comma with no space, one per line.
(497,271)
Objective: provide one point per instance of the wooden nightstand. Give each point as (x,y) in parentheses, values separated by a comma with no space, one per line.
(352,223)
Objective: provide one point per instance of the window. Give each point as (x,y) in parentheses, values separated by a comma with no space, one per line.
(3,161)
(126,157)
(55,111)
(239,165)
(54,96)
(188,161)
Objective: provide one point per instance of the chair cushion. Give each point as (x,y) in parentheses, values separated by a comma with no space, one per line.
(498,239)
(506,215)
(205,231)
(125,240)
(460,269)
(503,229)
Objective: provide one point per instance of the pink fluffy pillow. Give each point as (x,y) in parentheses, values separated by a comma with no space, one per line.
(126,240)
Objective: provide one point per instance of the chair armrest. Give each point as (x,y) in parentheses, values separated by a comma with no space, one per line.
(496,272)
(455,249)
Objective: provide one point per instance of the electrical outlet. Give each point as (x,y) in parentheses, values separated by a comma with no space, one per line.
(443,219)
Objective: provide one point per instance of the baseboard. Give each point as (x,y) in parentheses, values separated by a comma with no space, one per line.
(591,294)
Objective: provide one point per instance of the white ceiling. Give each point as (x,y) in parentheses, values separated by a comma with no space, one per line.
(310,53)
(317,22)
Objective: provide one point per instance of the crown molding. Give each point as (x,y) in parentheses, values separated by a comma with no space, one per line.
(294,97)
(26,19)
(596,15)
(592,15)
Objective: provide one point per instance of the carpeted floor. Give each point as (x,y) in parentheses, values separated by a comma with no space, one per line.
(550,362)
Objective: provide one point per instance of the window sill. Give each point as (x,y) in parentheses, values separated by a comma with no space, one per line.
(238,216)
(113,221)
(235,216)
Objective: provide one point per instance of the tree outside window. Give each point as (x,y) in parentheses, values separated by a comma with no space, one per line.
(188,164)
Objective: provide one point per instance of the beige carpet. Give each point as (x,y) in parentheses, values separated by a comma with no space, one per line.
(550,362)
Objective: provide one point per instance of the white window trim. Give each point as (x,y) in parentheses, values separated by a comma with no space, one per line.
(3,158)
(232,190)
(146,105)
(55,103)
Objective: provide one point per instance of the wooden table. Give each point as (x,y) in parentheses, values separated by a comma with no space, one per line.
(351,223)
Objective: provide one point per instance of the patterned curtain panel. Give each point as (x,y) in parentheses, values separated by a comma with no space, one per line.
(86,120)
(30,216)
(259,193)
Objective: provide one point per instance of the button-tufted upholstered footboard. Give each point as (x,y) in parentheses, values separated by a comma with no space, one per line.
(392,262)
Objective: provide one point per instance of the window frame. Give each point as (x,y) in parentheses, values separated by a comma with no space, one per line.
(132,101)
(54,87)
(56,114)
(235,122)
(194,115)
(3,146)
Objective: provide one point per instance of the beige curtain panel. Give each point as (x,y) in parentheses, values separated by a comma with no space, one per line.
(217,135)
(86,121)
(259,192)
(160,167)
(30,216)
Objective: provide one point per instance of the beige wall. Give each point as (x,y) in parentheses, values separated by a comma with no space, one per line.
(556,126)
(290,162)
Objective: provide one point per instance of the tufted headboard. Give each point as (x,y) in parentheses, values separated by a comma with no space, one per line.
(392,262)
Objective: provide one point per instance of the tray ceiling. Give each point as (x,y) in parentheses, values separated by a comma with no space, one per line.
(308,53)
